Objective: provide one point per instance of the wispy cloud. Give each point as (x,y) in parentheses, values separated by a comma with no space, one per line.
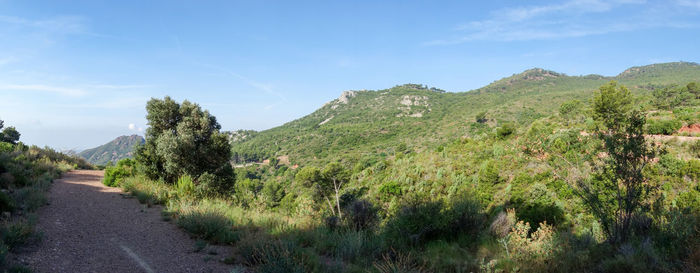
(563,20)
(689,3)
(6,60)
(260,86)
(58,24)
(65,91)
(117,86)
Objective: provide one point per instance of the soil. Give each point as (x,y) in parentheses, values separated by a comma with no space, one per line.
(88,227)
(691,129)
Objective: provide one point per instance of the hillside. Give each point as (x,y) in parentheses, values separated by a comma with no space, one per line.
(119,148)
(375,122)
(532,173)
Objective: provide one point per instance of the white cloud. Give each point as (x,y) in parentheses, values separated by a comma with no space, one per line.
(569,19)
(132,126)
(66,91)
(689,3)
(58,24)
(118,86)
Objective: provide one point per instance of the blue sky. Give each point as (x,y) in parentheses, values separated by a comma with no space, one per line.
(76,74)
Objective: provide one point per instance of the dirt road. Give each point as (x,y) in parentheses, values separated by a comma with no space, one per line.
(88,227)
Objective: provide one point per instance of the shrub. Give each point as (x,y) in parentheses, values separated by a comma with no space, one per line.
(389,189)
(115,174)
(17,233)
(416,222)
(663,127)
(398,262)
(465,216)
(505,131)
(6,202)
(361,214)
(532,251)
(184,186)
(6,147)
(502,224)
(207,221)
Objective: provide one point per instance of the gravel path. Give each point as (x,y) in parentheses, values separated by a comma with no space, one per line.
(88,227)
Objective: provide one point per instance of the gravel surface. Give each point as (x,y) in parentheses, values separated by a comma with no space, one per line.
(88,227)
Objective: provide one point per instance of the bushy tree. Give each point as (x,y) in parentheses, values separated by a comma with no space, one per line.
(9,134)
(481,117)
(570,109)
(182,140)
(619,192)
(326,183)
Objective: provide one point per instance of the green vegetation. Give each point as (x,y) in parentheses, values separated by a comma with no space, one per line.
(25,175)
(117,149)
(184,140)
(558,178)
(115,174)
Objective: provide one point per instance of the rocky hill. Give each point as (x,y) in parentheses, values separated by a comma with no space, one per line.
(119,148)
(361,122)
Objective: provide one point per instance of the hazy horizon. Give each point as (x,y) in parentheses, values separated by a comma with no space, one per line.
(76,75)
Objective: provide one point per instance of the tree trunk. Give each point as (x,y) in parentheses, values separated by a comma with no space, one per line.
(330,205)
(337,197)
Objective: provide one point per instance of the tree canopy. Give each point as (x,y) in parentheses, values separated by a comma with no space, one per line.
(182,140)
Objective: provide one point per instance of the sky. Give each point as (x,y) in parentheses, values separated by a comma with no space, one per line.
(77,74)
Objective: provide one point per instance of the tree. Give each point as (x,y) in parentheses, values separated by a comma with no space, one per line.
(335,176)
(325,183)
(310,176)
(619,192)
(10,135)
(671,97)
(481,117)
(182,140)
(570,109)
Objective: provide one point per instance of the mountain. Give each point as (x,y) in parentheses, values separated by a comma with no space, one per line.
(113,151)
(364,122)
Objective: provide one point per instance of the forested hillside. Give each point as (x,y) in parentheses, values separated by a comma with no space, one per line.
(537,172)
(362,122)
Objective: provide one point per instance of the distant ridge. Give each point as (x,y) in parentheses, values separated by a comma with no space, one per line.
(418,117)
(119,148)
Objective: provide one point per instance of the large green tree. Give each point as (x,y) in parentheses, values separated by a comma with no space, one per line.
(9,134)
(183,139)
(326,183)
(618,193)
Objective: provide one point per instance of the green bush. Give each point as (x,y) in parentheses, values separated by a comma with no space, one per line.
(184,186)
(505,130)
(361,214)
(415,223)
(115,174)
(6,202)
(389,189)
(663,127)
(17,233)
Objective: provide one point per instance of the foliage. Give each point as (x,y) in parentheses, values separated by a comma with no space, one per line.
(426,186)
(9,135)
(183,140)
(672,97)
(619,192)
(115,174)
(570,109)
(663,127)
(505,130)
(25,176)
